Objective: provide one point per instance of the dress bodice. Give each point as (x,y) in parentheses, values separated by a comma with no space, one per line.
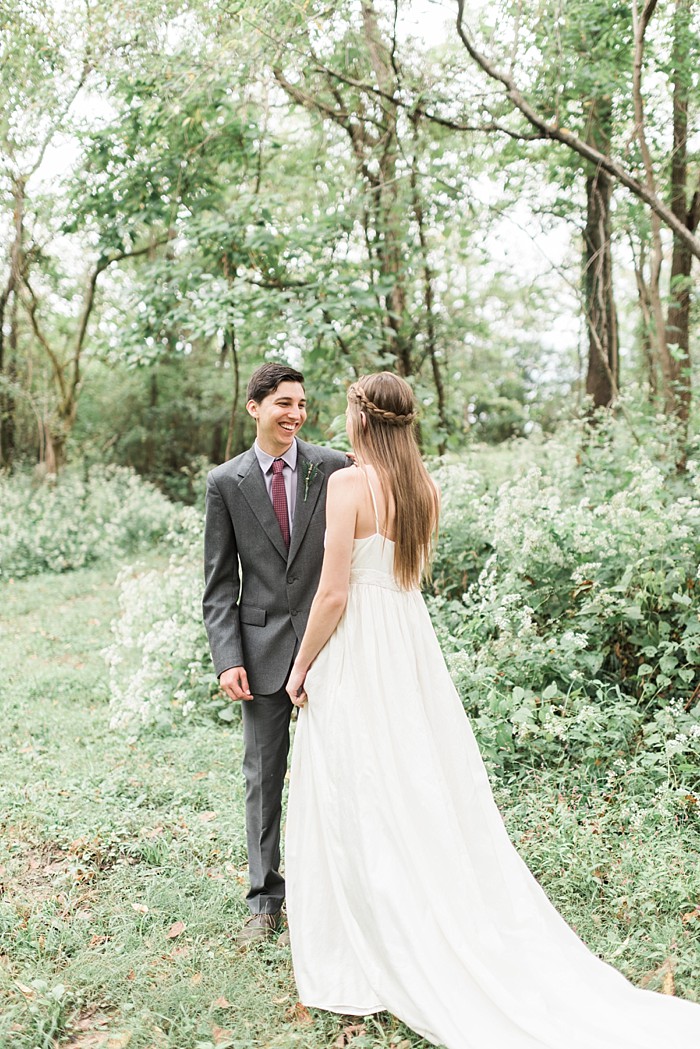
(373,556)
(373,561)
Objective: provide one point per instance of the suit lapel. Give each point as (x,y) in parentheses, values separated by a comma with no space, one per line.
(310,477)
(252,485)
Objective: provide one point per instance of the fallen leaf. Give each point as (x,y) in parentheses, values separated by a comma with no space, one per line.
(665,971)
(100,1040)
(140,908)
(180,952)
(691,915)
(221,1003)
(206,817)
(90,1022)
(153,833)
(29,991)
(97,1040)
(196,979)
(282,1000)
(220,1034)
(176,929)
(348,1034)
(299,1014)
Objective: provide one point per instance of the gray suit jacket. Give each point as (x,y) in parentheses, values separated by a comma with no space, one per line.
(257,594)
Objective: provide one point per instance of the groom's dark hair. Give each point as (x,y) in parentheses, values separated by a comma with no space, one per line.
(267,378)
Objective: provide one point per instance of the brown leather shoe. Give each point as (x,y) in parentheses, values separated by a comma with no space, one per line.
(257,928)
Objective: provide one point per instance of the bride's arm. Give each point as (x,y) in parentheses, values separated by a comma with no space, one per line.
(332,594)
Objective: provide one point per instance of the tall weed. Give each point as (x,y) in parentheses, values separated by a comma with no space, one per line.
(568,602)
(76,521)
(565,599)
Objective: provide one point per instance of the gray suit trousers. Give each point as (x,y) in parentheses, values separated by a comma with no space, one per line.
(266,746)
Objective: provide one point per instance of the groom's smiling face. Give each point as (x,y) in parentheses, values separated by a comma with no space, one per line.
(279,416)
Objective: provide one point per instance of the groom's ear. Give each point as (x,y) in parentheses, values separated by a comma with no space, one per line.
(252,408)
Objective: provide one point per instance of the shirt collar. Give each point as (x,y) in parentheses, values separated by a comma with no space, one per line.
(266,461)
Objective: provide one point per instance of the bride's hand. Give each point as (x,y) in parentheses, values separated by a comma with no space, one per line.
(295,687)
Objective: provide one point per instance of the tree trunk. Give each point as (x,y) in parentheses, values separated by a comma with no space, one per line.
(230,343)
(8,373)
(678,319)
(428,303)
(390,248)
(603,376)
(8,365)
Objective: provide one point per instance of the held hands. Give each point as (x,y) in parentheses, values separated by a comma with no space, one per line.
(295,687)
(234,682)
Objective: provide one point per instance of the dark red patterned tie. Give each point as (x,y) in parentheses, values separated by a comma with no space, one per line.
(279,499)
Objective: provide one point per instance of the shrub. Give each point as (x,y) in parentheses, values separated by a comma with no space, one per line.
(159,662)
(564,598)
(582,623)
(75,521)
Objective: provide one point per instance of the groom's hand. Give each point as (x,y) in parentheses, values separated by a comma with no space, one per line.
(234,682)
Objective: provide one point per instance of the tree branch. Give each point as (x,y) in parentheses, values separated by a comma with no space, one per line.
(640,27)
(371,89)
(59,120)
(429,114)
(102,264)
(568,138)
(30,306)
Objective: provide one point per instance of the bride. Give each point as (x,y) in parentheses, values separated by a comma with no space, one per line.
(404,892)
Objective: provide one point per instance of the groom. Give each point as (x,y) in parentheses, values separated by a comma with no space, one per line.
(263,549)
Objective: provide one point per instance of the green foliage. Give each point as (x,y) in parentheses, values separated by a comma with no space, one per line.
(223,216)
(167,422)
(564,597)
(567,601)
(56,526)
(41,64)
(159,663)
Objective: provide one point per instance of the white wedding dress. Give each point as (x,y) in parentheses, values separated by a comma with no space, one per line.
(404,892)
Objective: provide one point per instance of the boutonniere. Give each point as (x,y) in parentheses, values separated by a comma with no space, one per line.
(310,470)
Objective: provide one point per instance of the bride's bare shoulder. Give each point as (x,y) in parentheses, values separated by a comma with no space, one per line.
(343,480)
(343,496)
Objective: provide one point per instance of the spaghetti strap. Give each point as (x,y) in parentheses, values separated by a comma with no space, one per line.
(374,503)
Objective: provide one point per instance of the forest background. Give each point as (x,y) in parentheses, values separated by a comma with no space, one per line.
(499,202)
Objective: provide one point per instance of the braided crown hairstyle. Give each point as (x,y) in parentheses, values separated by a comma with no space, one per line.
(382,411)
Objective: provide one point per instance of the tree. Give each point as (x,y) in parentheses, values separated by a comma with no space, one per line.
(38,91)
(680,217)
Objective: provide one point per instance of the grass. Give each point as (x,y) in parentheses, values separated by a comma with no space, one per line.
(123,863)
(109,847)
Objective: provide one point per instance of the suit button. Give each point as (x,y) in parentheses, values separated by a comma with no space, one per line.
(295,612)
(291,579)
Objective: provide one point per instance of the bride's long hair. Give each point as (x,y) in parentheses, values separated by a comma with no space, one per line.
(382,411)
